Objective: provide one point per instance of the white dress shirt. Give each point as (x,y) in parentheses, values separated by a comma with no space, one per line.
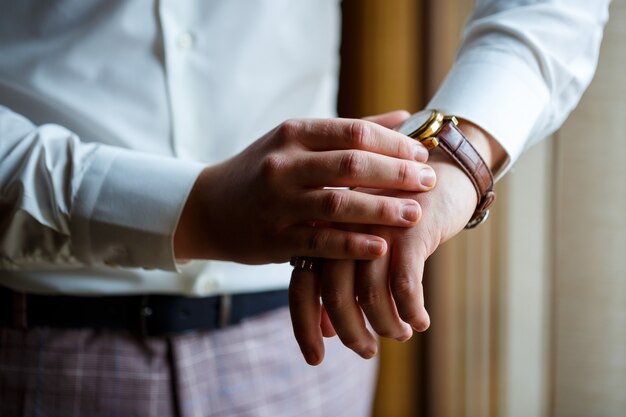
(109,109)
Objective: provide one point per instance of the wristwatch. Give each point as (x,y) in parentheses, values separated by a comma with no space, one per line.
(436,130)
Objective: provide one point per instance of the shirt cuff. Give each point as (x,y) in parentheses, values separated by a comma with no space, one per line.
(127,207)
(498,92)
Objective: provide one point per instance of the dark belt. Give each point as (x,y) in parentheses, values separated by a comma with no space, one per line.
(147,315)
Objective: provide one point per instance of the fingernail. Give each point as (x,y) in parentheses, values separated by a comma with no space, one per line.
(427,177)
(376,247)
(410,212)
(420,152)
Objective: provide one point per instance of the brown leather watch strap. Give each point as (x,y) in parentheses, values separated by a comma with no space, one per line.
(455,144)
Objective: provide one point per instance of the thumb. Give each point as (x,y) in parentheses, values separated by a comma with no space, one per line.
(389,120)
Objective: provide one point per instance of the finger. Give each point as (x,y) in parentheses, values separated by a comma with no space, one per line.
(305,309)
(345,206)
(390,119)
(406,273)
(374,296)
(337,289)
(354,168)
(327,327)
(332,134)
(324,242)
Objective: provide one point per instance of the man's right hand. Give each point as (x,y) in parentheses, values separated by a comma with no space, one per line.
(270,202)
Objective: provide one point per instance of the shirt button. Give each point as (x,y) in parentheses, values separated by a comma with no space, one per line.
(210,286)
(185,41)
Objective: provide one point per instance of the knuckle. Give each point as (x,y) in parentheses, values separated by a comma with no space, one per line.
(334,300)
(335,204)
(360,134)
(404,285)
(353,164)
(385,210)
(272,165)
(369,298)
(405,149)
(318,241)
(405,173)
(290,128)
(351,246)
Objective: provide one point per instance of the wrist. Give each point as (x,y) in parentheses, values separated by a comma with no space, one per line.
(190,237)
(473,150)
(454,198)
(476,156)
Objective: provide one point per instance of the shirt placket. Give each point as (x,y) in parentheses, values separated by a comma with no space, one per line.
(190,138)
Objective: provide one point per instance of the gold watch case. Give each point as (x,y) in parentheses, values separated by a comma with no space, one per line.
(424,126)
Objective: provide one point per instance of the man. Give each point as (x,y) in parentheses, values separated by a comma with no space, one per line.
(124,160)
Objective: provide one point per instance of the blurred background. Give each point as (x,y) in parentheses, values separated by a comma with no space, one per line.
(528,311)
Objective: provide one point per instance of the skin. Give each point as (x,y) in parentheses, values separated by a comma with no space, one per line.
(387,292)
(259,206)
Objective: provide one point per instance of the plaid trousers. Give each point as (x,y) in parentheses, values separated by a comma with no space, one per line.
(250,369)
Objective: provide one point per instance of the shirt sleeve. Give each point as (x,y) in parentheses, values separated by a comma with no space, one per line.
(65,203)
(522,67)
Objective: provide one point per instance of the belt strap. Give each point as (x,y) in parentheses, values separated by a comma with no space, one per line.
(147,315)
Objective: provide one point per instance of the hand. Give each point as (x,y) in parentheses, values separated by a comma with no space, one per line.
(387,291)
(259,206)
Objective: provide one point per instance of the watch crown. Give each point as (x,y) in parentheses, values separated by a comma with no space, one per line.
(430,143)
